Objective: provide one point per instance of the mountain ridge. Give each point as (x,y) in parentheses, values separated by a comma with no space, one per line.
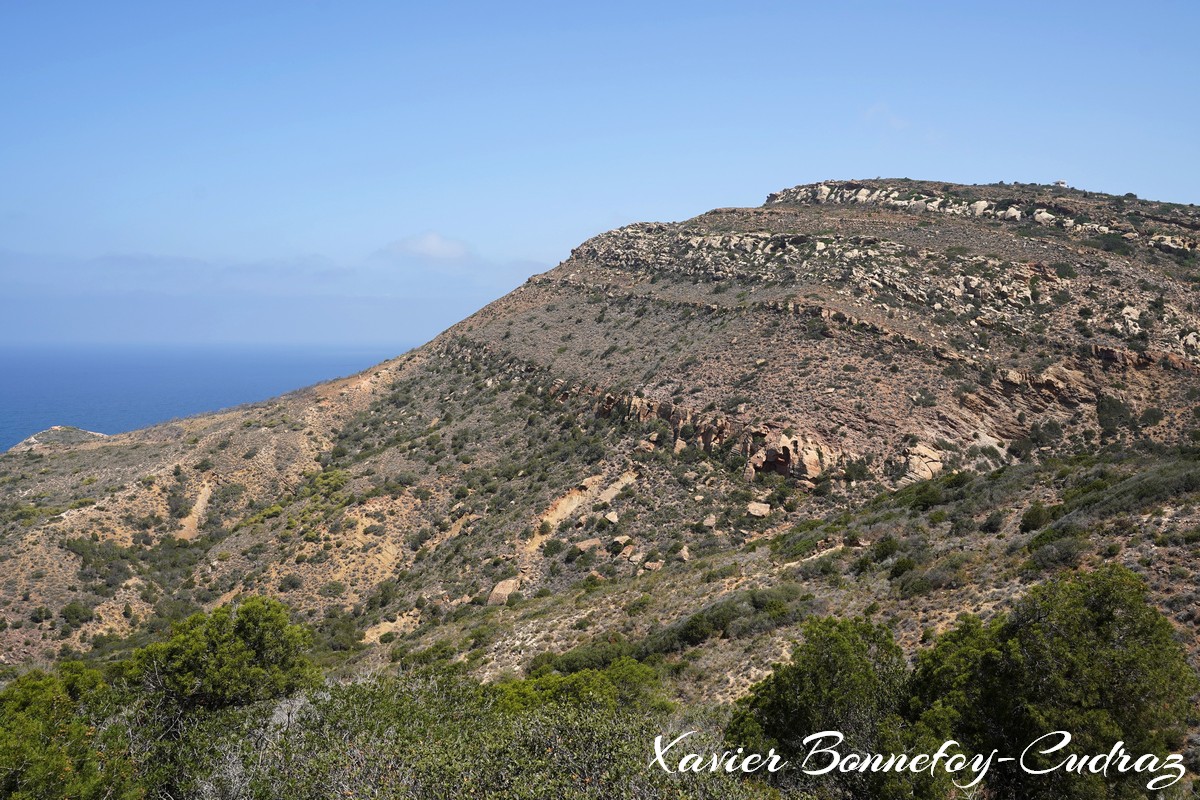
(682,411)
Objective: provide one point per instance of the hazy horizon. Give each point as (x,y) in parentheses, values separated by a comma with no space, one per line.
(112,388)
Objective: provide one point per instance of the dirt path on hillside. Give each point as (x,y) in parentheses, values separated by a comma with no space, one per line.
(586,492)
(191,523)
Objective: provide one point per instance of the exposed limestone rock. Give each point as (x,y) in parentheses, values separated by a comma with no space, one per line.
(923,463)
(1065,386)
(610,493)
(710,429)
(769,450)
(927,200)
(1172,244)
(562,508)
(755,509)
(1130,317)
(503,590)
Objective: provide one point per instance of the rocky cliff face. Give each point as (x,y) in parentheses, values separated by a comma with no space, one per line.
(681,412)
(970,332)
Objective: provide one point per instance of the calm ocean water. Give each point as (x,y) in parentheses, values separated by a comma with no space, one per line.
(111,389)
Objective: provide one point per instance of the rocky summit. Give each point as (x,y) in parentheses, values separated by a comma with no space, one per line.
(898,398)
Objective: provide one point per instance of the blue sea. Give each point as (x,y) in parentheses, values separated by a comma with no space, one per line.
(114,389)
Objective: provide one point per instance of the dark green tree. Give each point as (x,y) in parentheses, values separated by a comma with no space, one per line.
(233,656)
(1086,654)
(847,676)
(54,742)
(214,671)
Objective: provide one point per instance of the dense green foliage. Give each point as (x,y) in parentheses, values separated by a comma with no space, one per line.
(1085,654)
(441,735)
(50,745)
(230,657)
(847,676)
(230,706)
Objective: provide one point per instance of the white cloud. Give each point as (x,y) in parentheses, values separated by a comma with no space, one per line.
(430,245)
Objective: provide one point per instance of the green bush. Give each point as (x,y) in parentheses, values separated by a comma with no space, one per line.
(75,614)
(232,656)
(290,582)
(1085,653)
(1037,516)
(847,676)
(54,743)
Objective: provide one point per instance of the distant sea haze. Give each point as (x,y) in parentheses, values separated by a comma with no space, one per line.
(112,389)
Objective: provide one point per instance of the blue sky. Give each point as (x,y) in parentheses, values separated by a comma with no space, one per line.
(369,172)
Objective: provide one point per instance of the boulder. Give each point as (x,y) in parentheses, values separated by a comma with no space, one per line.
(501,592)
(923,463)
(810,462)
(758,509)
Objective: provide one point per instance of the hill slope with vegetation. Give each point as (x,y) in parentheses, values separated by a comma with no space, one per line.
(671,456)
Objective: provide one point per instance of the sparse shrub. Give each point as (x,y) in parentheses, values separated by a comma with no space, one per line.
(290,582)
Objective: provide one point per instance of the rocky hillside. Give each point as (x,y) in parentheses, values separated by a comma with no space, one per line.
(891,397)
(58,434)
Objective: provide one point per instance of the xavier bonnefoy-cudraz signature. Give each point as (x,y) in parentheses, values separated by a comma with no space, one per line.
(824,755)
